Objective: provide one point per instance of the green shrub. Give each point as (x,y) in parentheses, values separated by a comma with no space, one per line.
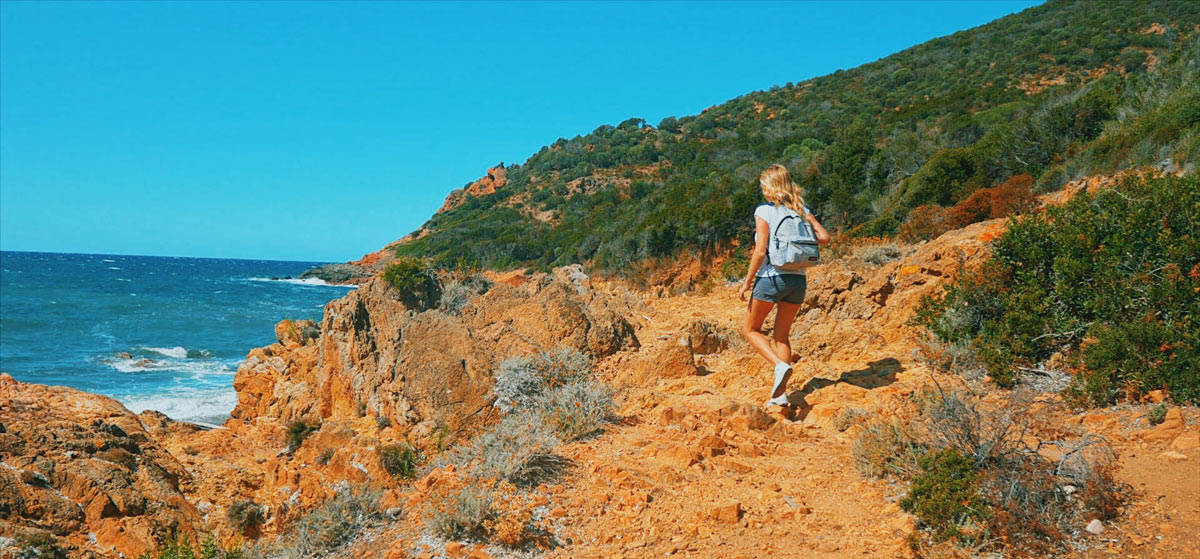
(246,517)
(1157,414)
(179,547)
(400,460)
(945,497)
(1110,276)
(413,282)
(297,431)
(979,475)
(38,545)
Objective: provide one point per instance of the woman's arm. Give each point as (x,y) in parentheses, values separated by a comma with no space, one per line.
(761,232)
(822,234)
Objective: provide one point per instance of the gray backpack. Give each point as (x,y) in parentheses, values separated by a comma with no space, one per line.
(793,243)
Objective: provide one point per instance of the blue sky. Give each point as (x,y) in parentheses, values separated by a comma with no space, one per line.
(322,131)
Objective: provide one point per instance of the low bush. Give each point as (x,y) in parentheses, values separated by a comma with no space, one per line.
(879,254)
(39,545)
(520,380)
(577,410)
(1011,197)
(414,282)
(945,496)
(463,514)
(178,547)
(325,530)
(297,431)
(246,517)
(886,449)
(1157,413)
(1109,277)
(849,417)
(985,478)
(400,460)
(520,449)
(924,222)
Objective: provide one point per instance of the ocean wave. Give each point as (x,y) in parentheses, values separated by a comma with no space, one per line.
(186,404)
(306,281)
(196,362)
(178,352)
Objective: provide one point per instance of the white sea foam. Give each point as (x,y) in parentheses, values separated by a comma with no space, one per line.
(306,281)
(210,405)
(107,260)
(178,352)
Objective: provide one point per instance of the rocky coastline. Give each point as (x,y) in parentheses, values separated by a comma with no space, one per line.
(82,472)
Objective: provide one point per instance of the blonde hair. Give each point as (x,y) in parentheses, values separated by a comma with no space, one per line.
(778,188)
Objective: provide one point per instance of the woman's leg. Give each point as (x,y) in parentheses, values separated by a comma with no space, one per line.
(785,314)
(755,316)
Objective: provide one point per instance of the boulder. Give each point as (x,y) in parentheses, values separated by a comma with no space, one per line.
(82,466)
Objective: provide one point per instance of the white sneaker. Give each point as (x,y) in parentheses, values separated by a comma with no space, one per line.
(781,400)
(783,372)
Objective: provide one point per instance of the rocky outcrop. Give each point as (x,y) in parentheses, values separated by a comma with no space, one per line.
(376,356)
(494,180)
(81,471)
(337,273)
(377,372)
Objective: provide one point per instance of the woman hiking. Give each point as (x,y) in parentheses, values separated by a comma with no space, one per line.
(770,286)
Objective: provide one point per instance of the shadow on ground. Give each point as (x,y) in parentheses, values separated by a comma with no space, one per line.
(879,373)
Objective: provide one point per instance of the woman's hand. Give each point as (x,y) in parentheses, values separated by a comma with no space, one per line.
(744,289)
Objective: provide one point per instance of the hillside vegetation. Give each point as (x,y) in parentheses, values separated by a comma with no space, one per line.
(1056,92)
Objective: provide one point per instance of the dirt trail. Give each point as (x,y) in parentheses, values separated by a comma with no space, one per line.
(700,467)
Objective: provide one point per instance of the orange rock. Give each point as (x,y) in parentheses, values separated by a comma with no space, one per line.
(731,512)
(1171,427)
(1155,396)
(677,456)
(456,550)
(1187,441)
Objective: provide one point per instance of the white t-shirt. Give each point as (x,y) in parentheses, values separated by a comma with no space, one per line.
(767,213)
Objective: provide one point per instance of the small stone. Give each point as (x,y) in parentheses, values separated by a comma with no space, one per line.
(479,553)
(726,513)
(1095,527)
(1172,455)
(456,550)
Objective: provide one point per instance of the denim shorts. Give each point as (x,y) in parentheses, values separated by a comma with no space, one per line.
(787,288)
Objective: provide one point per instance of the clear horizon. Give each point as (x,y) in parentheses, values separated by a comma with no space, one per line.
(318,132)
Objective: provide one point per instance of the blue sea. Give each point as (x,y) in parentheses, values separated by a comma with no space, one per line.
(153,332)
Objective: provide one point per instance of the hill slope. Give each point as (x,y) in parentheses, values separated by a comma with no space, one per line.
(1058,92)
